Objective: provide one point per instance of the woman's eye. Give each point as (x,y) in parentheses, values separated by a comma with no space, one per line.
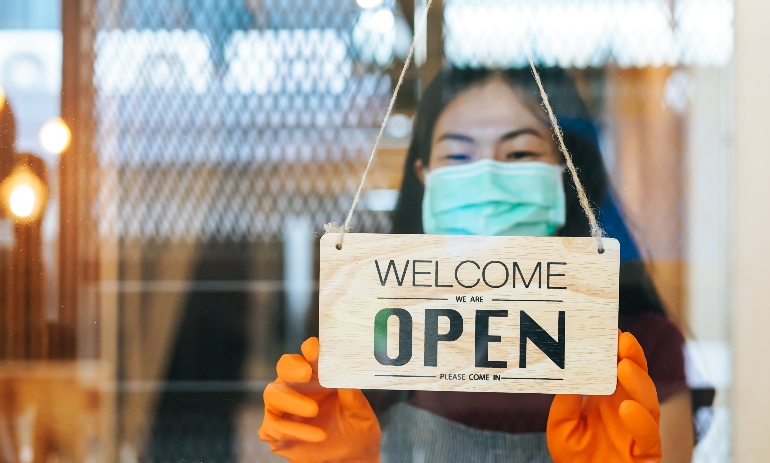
(522,155)
(458,157)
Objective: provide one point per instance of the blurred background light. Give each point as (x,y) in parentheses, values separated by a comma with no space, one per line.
(154,60)
(30,74)
(383,20)
(55,136)
(633,33)
(2,96)
(22,201)
(24,194)
(369,4)
(379,36)
(30,60)
(399,126)
(381,200)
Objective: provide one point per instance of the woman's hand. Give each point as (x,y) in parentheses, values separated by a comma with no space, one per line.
(307,423)
(622,427)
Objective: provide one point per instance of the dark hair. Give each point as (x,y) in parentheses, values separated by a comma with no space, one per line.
(637,292)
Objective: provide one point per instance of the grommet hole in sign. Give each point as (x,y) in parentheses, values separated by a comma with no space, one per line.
(469,313)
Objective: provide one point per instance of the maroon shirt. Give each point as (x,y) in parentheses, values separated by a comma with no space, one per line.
(661,341)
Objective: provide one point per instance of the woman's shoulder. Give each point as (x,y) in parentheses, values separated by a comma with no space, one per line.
(663,345)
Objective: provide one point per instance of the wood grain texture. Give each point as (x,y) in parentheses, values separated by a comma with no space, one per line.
(352,293)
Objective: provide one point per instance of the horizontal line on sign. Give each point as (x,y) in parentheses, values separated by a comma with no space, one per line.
(527,300)
(408,376)
(535,379)
(417,298)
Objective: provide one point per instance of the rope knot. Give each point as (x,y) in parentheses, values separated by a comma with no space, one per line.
(332,227)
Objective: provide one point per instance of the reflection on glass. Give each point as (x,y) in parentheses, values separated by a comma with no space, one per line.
(215,137)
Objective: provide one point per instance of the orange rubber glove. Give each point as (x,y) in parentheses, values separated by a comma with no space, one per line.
(622,427)
(307,423)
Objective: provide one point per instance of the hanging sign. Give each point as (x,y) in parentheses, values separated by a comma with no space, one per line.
(469,313)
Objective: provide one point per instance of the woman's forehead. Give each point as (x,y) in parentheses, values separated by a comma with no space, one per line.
(487,109)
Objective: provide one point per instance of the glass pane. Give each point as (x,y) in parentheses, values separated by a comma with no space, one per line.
(159,244)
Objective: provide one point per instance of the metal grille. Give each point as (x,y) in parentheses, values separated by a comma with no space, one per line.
(217,120)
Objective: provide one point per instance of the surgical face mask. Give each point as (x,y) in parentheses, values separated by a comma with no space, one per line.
(494,198)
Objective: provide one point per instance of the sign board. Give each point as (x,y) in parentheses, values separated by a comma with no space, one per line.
(469,313)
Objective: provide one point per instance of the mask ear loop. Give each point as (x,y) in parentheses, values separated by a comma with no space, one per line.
(345,227)
(596,229)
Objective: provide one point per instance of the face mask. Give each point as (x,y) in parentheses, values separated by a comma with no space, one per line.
(494,198)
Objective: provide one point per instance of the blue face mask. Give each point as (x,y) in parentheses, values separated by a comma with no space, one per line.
(494,198)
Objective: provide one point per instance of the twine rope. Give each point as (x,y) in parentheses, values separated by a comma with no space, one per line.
(596,230)
(345,227)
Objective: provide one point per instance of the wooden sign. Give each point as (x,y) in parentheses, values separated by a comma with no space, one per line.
(469,313)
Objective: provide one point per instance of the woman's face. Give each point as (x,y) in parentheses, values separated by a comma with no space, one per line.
(489,122)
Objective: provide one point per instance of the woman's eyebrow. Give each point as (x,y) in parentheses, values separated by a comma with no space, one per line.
(456,136)
(520,132)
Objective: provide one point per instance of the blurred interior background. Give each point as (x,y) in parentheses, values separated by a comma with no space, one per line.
(167,167)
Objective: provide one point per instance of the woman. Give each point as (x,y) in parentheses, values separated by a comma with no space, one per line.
(483,161)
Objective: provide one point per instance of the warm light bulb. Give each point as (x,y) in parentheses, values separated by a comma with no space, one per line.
(22,201)
(383,20)
(23,195)
(2,97)
(55,136)
(369,4)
